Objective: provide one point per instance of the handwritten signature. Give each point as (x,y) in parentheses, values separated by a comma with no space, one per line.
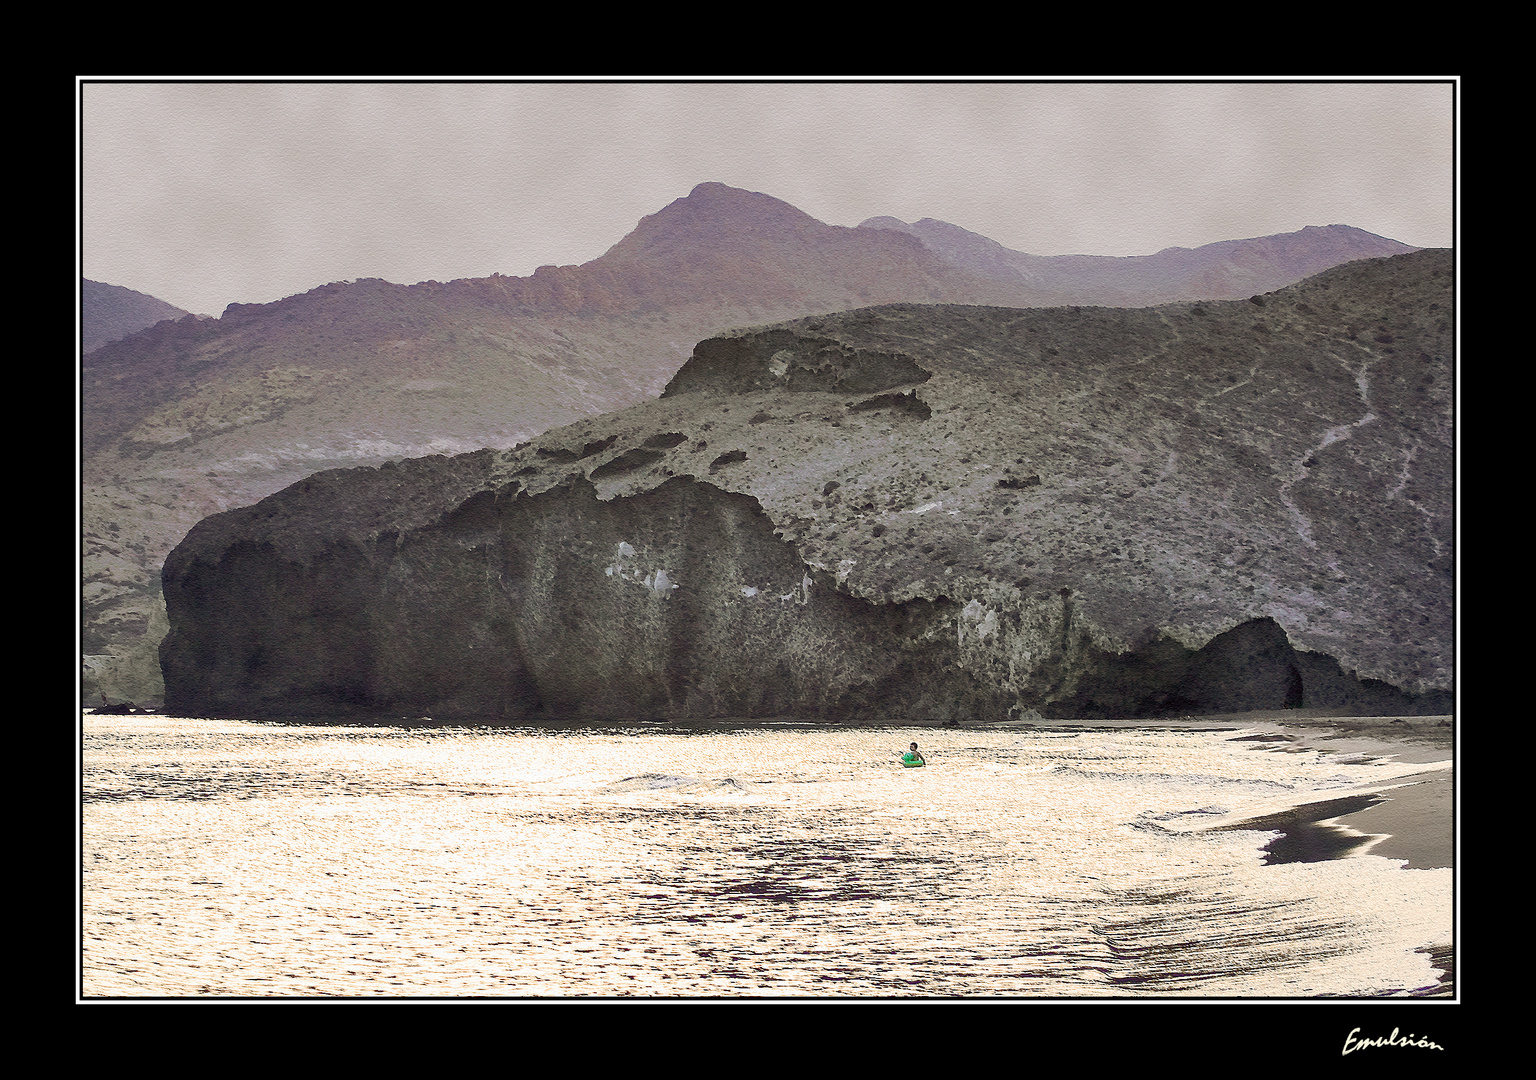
(1351,1043)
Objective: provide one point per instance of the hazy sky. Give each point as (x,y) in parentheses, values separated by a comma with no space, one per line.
(203,194)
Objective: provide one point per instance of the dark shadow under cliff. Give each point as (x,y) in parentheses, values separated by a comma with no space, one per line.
(678,602)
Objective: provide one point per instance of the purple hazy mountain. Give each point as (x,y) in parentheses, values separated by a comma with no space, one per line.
(110,312)
(188,418)
(1229,270)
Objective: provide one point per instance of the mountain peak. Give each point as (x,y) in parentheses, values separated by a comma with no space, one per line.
(715,203)
(711,220)
(715,188)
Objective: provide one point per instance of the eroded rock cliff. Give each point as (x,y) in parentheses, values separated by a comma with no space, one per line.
(894,513)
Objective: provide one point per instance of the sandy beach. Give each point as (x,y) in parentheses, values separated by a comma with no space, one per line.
(1413,819)
(1416,819)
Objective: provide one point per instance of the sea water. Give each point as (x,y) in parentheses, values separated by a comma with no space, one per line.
(258,859)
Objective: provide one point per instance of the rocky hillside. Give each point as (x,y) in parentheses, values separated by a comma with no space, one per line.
(898,512)
(110,312)
(193,417)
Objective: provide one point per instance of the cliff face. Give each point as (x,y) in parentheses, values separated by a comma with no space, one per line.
(677,601)
(893,513)
(191,417)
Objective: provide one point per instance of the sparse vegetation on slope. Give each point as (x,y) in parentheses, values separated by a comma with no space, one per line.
(1095,511)
(195,416)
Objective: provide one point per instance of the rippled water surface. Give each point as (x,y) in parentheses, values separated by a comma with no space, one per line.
(230,858)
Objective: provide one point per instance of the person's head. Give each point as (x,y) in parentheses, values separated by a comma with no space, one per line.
(914,746)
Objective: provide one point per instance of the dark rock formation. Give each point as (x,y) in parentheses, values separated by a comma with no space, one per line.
(893,513)
(191,417)
(118,708)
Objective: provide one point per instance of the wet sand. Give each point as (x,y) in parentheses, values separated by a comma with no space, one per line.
(1413,819)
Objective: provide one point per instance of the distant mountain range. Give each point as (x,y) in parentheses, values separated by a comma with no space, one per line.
(1229,270)
(110,312)
(905,513)
(190,417)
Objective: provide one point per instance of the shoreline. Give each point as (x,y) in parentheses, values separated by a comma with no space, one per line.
(1413,822)
(1410,818)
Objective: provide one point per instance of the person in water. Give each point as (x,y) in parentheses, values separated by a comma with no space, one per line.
(912,757)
